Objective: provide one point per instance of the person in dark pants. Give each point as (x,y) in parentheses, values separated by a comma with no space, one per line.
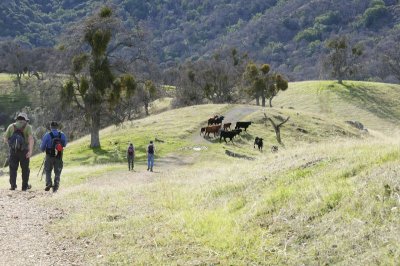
(53,143)
(20,140)
(130,154)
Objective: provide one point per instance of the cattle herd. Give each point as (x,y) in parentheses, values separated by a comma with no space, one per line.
(224,131)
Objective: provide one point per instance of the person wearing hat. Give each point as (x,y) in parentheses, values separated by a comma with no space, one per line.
(20,140)
(53,144)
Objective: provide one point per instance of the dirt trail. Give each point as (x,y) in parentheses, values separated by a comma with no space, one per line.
(232,116)
(24,239)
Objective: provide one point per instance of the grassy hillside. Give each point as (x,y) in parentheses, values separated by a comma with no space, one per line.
(376,105)
(5,83)
(329,196)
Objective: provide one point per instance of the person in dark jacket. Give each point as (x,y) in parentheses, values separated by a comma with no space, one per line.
(53,144)
(130,154)
(151,150)
(20,140)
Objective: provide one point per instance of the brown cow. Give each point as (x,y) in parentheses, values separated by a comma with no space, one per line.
(212,129)
(227,125)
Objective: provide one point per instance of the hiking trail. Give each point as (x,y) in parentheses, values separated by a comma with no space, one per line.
(24,238)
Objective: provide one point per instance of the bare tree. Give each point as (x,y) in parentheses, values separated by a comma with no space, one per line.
(14,59)
(344,59)
(215,79)
(277,127)
(391,59)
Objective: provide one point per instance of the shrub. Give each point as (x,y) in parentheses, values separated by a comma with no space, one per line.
(329,18)
(374,14)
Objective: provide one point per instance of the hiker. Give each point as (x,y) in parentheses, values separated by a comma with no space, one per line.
(53,144)
(20,140)
(130,154)
(150,156)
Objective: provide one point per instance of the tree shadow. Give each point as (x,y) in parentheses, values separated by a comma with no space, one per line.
(368,99)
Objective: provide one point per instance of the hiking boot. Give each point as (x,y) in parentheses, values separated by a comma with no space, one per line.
(148,169)
(26,188)
(151,170)
(13,187)
(55,188)
(47,188)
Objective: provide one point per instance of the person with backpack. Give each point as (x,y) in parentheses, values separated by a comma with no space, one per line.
(130,154)
(20,140)
(53,144)
(150,156)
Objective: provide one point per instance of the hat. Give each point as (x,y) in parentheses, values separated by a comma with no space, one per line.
(53,124)
(22,115)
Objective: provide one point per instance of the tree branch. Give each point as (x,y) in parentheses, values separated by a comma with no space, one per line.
(281,124)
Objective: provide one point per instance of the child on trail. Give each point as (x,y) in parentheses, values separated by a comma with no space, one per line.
(130,154)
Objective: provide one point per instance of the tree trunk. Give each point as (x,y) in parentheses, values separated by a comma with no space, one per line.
(19,77)
(146,108)
(278,134)
(277,128)
(258,100)
(263,101)
(94,130)
(270,101)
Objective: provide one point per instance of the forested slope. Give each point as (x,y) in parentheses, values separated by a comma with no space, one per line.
(288,34)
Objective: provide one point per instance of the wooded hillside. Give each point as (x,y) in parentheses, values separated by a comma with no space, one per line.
(290,35)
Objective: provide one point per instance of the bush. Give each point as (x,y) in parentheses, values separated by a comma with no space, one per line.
(329,18)
(309,34)
(374,14)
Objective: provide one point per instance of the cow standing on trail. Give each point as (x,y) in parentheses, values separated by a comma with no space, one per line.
(259,142)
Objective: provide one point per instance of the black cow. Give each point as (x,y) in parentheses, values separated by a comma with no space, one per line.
(244,125)
(202,130)
(218,120)
(215,120)
(229,134)
(259,142)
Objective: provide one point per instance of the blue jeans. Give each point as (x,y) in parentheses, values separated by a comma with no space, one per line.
(150,161)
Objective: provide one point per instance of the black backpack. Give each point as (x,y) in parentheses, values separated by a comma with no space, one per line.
(130,150)
(56,145)
(17,140)
(150,149)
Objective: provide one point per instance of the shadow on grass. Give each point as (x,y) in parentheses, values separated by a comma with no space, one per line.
(369,99)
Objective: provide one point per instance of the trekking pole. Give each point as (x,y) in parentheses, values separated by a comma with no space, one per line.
(41,177)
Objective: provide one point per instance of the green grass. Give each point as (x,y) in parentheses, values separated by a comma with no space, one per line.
(6,83)
(373,104)
(302,206)
(329,196)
